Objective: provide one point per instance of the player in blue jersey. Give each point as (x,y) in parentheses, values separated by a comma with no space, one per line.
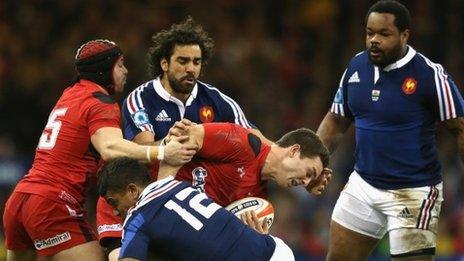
(150,110)
(175,63)
(177,221)
(394,95)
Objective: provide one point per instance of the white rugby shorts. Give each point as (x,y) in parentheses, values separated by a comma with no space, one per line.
(282,251)
(409,215)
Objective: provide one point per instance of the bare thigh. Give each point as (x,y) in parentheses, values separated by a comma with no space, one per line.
(88,251)
(348,245)
(26,255)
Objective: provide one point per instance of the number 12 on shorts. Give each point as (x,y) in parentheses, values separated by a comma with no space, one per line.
(194,205)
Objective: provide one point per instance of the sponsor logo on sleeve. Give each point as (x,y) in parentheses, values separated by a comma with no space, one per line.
(109,228)
(140,118)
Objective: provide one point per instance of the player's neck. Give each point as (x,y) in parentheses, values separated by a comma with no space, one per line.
(272,163)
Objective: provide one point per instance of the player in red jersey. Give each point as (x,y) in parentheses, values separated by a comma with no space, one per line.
(232,163)
(45,210)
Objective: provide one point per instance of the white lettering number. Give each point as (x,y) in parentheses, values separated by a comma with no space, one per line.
(50,134)
(195,205)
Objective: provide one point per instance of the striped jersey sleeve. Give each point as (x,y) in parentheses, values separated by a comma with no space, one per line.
(135,114)
(339,104)
(449,99)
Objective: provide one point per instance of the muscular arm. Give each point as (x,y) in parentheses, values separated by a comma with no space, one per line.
(145,138)
(332,128)
(456,126)
(110,144)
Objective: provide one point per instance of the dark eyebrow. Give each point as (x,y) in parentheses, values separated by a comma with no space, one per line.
(311,173)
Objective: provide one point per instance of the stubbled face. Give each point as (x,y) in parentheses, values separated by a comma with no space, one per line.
(119,75)
(297,171)
(183,68)
(384,42)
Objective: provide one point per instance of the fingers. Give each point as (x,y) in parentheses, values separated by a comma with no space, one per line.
(251,219)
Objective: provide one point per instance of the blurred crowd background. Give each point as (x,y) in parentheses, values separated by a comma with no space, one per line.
(280,60)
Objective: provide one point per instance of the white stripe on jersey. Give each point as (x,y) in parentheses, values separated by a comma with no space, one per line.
(238,113)
(153,191)
(444,94)
(337,108)
(449,93)
(135,98)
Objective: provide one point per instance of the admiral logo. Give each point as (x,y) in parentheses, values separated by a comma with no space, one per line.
(111,227)
(244,206)
(52,241)
(162,116)
(409,86)
(199,178)
(206,114)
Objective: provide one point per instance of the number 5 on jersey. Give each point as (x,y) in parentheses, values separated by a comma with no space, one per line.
(50,133)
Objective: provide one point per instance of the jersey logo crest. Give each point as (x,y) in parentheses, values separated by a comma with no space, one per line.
(199,178)
(354,78)
(409,86)
(375,95)
(206,114)
(140,118)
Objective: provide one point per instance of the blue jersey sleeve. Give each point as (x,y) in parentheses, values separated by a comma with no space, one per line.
(134,241)
(134,115)
(445,96)
(340,101)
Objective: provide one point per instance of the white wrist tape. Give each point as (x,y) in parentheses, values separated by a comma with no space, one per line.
(148,153)
(160,156)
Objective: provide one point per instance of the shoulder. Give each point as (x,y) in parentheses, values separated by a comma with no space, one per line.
(360,59)
(212,91)
(103,97)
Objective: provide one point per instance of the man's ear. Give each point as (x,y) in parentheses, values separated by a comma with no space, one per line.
(133,190)
(164,64)
(294,149)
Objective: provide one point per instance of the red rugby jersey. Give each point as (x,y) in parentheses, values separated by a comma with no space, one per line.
(228,166)
(65,159)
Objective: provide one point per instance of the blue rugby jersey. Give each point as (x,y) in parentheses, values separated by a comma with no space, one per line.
(394,112)
(150,107)
(182,223)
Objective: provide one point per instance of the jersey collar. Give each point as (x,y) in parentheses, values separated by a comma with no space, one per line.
(401,62)
(159,89)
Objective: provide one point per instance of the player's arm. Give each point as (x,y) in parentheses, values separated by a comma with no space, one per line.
(145,138)
(332,128)
(456,126)
(108,141)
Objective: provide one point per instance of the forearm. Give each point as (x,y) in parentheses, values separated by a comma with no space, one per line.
(331,130)
(110,144)
(456,126)
(125,148)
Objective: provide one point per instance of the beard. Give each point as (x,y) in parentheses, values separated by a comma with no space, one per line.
(179,86)
(385,58)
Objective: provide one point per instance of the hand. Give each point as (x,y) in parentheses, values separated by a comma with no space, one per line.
(318,185)
(177,152)
(180,128)
(250,219)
